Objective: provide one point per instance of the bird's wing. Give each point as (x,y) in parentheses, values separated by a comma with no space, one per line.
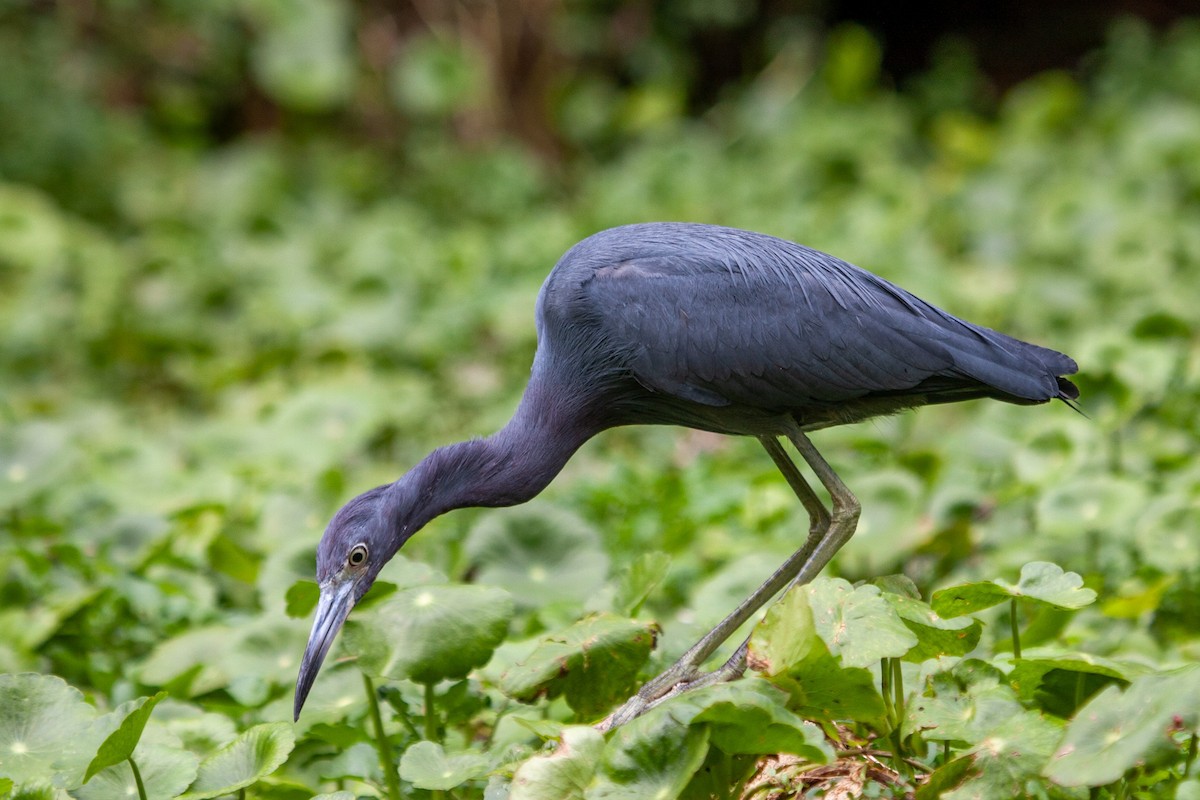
(795,330)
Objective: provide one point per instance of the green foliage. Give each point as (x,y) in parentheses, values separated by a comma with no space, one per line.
(432,633)
(120,743)
(594,663)
(213,339)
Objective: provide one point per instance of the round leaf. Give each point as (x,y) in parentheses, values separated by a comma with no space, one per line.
(751,717)
(247,759)
(594,662)
(47,731)
(564,774)
(167,769)
(427,766)
(431,633)
(857,624)
(656,755)
(120,743)
(1116,731)
(541,555)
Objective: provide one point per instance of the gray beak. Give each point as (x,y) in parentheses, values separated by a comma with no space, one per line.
(334,606)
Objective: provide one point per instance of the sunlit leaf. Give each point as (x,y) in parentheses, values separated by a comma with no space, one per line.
(47,732)
(594,663)
(655,755)
(120,743)
(426,765)
(964,704)
(540,555)
(1116,731)
(787,647)
(431,633)
(1002,763)
(166,769)
(184,663)
(635,583)
(1040,581)
(564,774)
(857,624)
(1060,680)
(247,759)
(935,636)
(750,717)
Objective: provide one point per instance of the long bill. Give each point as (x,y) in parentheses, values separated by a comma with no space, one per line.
(332,609)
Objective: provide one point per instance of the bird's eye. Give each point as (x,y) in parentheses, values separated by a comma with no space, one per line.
(358,555)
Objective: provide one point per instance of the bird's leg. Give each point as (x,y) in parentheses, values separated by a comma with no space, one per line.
(827,533)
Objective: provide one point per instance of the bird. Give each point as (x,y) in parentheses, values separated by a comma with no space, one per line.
(707,327)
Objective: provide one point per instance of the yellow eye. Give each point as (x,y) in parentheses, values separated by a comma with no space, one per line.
(358,555)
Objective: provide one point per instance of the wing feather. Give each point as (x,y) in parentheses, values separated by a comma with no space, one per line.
(720,316)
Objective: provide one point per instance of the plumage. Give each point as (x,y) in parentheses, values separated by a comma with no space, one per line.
(702,326)
(755,325)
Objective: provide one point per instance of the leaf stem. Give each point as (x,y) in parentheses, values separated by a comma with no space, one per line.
(381,743)
(137,778)
(431,726)
(487,743)
(885,689)
(897,704)
(898,688)
(1191,755)
(1016,634)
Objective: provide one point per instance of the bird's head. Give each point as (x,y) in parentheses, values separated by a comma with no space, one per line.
(360,539)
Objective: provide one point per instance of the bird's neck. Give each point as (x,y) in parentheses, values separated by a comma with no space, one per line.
(507,468)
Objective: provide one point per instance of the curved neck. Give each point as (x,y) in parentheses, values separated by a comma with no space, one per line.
(509,467)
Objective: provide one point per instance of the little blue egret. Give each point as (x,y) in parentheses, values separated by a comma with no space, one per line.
(707,327)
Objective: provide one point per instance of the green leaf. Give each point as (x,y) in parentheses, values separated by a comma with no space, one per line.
(935,636)
(166,768)
(199,731)
(427,766)
(750,717)
(1001,764)
(246,760)
(1059,680)
(787,647)
(785,636)
(899,585)
(1116,731)
(963,704)
(821,688)
(540,555)
(302,598)
(47,732)
(120,743)
(431,633)
(1040,581)
(564,774)
(594,663)
(967,598)
(857,624)
(637,581)
(655,755)
(184,663)
(1048,583)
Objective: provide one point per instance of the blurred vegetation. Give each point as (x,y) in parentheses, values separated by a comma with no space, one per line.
(258,255)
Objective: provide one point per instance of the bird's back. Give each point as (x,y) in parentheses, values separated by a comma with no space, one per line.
(700,323)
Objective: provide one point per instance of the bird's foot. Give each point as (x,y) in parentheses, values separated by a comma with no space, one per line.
(675,681)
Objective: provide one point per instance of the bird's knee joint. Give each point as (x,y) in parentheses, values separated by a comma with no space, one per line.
(846,516)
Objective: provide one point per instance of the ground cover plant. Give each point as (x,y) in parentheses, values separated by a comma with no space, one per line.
(202,361)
